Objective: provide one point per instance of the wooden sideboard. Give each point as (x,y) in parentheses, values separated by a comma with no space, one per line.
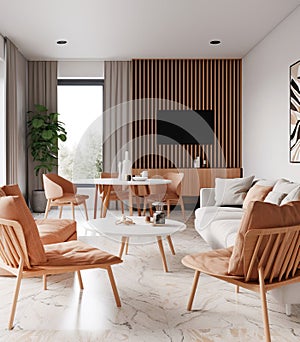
(195,179)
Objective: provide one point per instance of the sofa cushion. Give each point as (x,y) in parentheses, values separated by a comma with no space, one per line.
(223,232)
(256,193)
(56,230)
(206,216)
(232,191)
(13,208)
(261,215)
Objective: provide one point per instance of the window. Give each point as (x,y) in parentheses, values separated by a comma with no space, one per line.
(80,105)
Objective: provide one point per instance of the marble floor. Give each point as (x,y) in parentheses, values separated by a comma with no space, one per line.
(153,302)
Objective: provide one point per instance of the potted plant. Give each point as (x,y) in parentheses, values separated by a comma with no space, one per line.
(44,131)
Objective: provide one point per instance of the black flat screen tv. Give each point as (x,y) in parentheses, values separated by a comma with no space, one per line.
(185,127)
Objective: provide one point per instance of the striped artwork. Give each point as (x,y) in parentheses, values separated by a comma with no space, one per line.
(295,112)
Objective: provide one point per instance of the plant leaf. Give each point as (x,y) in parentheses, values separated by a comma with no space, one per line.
(47,134)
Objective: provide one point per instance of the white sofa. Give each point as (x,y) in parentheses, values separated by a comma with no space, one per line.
(218,227)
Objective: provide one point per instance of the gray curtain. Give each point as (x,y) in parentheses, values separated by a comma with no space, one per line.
(117,117)
(42,89)
(16,72)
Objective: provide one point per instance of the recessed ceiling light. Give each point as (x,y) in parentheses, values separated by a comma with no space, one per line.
(215,42)
(61,42)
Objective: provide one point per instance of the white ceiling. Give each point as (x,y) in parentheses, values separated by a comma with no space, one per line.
(124,29)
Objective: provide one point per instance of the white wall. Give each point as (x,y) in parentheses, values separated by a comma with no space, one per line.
(266,102)
(80,69)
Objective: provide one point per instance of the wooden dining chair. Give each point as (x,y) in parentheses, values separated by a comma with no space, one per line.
(60,192)
(71,256)
(170,193)
(119,193)
(270,260)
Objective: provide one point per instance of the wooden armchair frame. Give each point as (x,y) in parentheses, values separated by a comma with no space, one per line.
(273,253)
(14,259)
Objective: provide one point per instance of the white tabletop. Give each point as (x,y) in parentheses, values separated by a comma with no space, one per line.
(108,226)
(116,181)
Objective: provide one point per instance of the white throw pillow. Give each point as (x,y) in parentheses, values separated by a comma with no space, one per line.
(280,191)
(294,195)
(275,197)
(284,186)
(265,182)
(232,191)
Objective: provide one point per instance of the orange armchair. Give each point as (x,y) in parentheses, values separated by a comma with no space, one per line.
(60,192)
(23,255)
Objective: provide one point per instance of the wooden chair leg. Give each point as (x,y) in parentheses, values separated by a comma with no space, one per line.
(126,245)
(47,208)
(122,206)
(60,211)
(237,289)
(114,287)
(45,281)
(168,208)
(150,210)
(182,207)
(264,305)
(16,295)
(85,210)
(73,211)
(138,205)
(80,280)
(194,287)
(170,242)
(101,209)
(145,206)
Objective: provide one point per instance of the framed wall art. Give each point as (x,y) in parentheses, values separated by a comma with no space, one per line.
(295,112)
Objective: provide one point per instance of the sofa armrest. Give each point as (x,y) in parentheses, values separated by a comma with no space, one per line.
(207,197)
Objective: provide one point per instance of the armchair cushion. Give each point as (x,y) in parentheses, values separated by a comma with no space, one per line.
(211,262)
(68,198)
(56,230)
(73,253)
(261,215)
(13,208)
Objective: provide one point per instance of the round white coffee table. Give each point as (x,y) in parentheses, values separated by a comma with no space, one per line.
(107,226)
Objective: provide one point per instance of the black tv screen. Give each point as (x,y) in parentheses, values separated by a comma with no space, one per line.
(185,127)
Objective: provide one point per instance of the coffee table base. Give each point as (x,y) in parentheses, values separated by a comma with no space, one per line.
(125,243)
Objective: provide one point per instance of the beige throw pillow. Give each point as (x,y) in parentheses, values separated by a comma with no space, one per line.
(256,193)
(232,191)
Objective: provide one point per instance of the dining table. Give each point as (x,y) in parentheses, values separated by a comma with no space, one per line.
(107,184)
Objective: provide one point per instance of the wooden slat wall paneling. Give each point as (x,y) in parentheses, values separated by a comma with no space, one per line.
(197,84)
